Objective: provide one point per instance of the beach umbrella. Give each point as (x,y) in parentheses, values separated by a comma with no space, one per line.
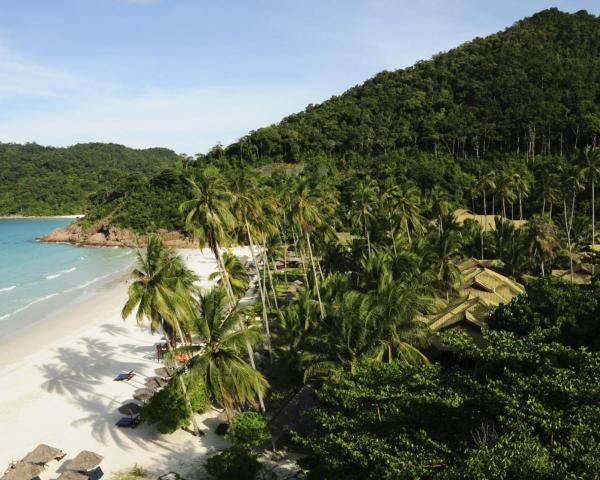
(143,394)
(70,475)
(155,383)
(42,454)
(23,471)
(163,372)
(129,409)
(84,461)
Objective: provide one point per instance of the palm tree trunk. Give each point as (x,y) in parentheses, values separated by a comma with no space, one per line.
(266,256)
(393,237)
(485,222)
(568,229)
(407,231)
(312,261)
(593,222)
(260,286)
(520,206)
(368,239)
(297,248)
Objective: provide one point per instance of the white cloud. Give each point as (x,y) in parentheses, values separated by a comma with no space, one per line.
(20,77)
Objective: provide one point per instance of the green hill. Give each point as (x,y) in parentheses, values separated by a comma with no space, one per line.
(37,180)
(522,101)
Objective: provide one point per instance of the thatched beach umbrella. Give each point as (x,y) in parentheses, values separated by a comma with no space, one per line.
(85,461)
(163,372)
(129,409)
(143,394)
(70,475)
(42,454)
(156,383)
(23,471)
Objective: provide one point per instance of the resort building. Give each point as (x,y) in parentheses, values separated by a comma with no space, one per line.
(480,291)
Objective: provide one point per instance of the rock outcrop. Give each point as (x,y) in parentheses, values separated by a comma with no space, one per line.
(103,234)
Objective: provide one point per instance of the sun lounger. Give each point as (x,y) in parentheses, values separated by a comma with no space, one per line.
(96,474)
(124,376)
(129,422)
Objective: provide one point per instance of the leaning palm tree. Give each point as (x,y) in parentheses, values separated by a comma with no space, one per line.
(487,183)
(161,294)
(219,361)
(306,216)
(591,172)
(207,215)
(237,274)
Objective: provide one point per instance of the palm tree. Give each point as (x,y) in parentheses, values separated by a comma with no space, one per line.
(208,215)
(571,186)
(247,208)
(161,293)
(541,238)
(306,215)
(448,274)
(504,189)
(237,274)
(591,172)
(521,184)
(219,361)
(486,184)
(440,206)
(365,205)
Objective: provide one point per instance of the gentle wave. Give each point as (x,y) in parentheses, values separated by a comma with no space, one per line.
(25,307)
(56,275)
(86,284)
(7,289)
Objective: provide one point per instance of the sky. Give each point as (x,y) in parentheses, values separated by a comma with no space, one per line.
(186,74)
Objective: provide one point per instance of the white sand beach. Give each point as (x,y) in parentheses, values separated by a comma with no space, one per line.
(57,387)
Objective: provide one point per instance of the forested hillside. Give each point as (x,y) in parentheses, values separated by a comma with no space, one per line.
(533,88)
(37,180)
(497,123)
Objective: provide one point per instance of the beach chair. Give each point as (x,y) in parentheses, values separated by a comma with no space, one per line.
(96,474)
(129,422)
(121,377)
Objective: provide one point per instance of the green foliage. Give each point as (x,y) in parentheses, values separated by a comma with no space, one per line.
(519,407)
(559,310)
(36,180)
(168,409)
(236,463)
(248,429)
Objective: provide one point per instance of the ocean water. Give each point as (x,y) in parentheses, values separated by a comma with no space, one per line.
(37,280)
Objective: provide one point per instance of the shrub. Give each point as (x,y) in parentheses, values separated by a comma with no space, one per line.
(168,408)
(248,429)
(235,463)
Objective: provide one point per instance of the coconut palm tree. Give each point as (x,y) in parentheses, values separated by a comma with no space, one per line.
(365,203)
(504,189)
(248,209)
(236,272)
(207,215)
(521,184)
(219,361)
(448,274)
(161,294)
(440,206)
(541,239)
(407,206)
(487,183)
(571,186)
(591,172)
(307,216)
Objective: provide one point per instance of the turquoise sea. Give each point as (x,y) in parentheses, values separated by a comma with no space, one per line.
(37,280)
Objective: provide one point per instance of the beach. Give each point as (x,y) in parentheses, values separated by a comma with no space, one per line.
(57,387)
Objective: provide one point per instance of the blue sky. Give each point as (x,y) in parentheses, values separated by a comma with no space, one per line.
(186,74)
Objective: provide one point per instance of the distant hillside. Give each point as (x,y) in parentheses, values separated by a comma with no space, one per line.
(533,88)
(36,180)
